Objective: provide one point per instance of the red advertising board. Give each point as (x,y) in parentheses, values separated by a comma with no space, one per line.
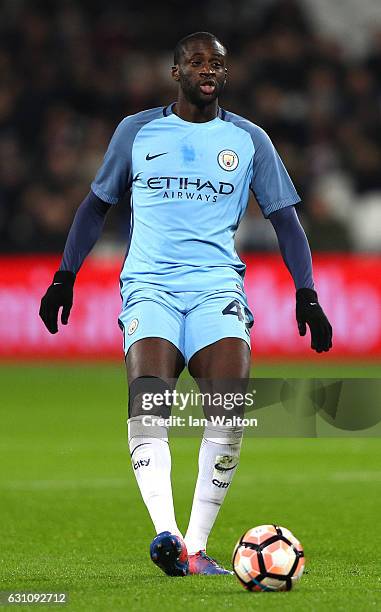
(349,289)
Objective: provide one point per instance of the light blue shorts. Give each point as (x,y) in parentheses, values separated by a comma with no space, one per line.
(190,320)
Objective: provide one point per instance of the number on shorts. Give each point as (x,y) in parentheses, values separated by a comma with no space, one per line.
(234,308)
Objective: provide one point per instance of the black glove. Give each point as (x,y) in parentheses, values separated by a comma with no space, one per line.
(308,310)
(59,293)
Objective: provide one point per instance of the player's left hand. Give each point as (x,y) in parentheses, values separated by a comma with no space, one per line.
(309,312)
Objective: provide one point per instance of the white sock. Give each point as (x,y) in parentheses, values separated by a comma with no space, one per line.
(151,463)
(220,448)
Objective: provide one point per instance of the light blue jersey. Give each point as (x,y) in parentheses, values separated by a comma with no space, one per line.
(189,190)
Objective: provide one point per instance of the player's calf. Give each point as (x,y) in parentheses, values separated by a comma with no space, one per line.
(151,463)
(218,461)
(149,449)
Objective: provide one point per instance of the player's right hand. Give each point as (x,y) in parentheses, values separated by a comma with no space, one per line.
(59,294)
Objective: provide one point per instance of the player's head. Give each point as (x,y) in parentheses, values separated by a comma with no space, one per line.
(200,67)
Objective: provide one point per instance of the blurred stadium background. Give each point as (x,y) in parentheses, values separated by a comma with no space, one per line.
(308,72)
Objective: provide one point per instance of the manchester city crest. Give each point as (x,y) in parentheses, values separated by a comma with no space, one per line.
(228,160)
(132,326)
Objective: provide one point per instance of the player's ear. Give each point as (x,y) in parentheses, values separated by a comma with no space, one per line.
(175,72)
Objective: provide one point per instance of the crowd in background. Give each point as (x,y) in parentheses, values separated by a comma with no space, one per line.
(71,70)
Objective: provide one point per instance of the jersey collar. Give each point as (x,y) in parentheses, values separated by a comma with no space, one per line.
(168,110)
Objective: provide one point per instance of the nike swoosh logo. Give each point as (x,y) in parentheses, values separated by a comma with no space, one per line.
(57,283)
(220,468)
(149,157)
(313,303)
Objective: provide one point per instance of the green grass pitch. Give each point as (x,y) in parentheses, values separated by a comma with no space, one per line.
(71,518)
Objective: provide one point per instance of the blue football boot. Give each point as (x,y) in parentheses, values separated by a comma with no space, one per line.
(201,563)
(168,551)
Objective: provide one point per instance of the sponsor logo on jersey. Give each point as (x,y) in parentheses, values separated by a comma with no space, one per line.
(133,326)
(228,160)
(185,188)
(184,183)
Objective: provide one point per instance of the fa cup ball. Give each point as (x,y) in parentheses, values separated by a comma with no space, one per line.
(268,558)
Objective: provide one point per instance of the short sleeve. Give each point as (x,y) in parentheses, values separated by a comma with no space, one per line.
(113,178)
(271,183)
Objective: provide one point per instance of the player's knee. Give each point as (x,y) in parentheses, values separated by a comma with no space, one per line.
(223,398)
(149,395)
